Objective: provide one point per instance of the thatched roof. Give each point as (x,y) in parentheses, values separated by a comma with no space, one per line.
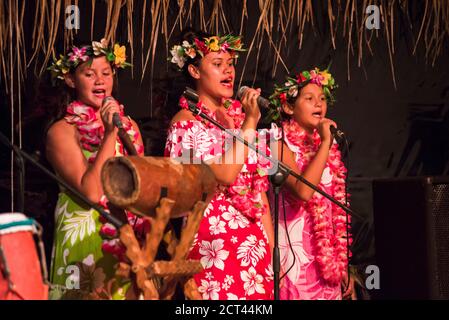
(152,24)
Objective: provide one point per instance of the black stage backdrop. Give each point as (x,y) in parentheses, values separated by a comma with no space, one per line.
(397,124)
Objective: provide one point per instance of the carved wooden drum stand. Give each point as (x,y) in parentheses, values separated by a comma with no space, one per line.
(159,189)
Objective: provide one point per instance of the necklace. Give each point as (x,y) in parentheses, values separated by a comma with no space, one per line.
(329,231)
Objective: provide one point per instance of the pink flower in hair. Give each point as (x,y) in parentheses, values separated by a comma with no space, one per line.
(201,46)
(283,98)
(224,47)
(316,77)
(79,54)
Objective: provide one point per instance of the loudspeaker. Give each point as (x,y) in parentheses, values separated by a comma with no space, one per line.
(411,223)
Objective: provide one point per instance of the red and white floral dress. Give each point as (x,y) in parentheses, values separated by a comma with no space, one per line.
(317,228)
(231,243)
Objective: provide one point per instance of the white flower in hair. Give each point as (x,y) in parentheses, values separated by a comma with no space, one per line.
(99,47)
(293,91)
(188,49)
(177,53)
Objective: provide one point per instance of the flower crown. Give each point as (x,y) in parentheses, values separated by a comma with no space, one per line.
(180,53)
(291,88)
(116,55)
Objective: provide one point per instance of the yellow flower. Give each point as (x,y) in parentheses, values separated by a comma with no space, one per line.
(120,54)
(60,66)
(212,43)
(326,75)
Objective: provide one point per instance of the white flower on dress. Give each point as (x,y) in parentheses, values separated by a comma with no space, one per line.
(234,239)
(251,251)
(295,231)
(209,276)
(326,177)
(222,208)
(253,281)
(207,211)
(216,225)
(229,279)
(269,273)
(209,289)
(195,241)
(198,140)
(212,255)
(235,219)
(232,296)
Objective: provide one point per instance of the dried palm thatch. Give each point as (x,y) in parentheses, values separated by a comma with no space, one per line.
(160,18)
(279,23)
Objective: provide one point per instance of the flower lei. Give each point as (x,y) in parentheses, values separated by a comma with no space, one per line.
(290,90)
(92,131)
(116,55)
(181,53)
(91,134)
(245,191)
(330,237)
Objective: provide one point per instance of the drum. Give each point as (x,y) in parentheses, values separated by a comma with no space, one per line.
(21,276)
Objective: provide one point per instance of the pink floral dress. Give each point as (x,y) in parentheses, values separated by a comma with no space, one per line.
(317,228)
(231,243)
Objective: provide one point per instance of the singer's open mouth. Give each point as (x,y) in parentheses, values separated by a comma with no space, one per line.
(99,93)
(317,114)
(228,82)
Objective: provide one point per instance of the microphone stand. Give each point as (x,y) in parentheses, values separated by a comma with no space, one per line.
(23,155)
(278,178)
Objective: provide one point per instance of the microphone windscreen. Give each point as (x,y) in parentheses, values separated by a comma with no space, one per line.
(241,91)
(106,99)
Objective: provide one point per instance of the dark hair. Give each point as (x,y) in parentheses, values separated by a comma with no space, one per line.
(291,101)
(190,35)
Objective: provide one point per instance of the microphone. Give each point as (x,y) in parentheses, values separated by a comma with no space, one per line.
(116,119)
(261,101)
(123,136)
(337,133)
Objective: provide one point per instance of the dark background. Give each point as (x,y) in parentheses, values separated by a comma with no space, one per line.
(394,131)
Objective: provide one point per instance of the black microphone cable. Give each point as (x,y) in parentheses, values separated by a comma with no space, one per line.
(283,207)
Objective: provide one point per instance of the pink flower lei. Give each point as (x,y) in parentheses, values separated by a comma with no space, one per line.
(91,131)
(330,237)
(91,134)
(245,192)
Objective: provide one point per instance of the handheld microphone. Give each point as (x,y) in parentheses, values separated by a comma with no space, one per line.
(123,136)
(116,119)
(336,132)
(261,101)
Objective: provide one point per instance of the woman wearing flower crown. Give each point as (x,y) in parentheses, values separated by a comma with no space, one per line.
(233,241)
(79,141)
(317,261)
